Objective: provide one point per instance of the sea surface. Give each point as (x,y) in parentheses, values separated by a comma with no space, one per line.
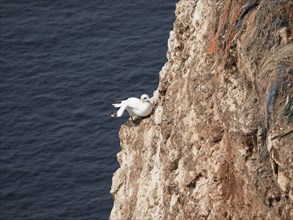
(63,63)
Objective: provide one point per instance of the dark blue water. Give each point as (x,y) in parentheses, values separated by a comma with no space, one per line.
(62,65)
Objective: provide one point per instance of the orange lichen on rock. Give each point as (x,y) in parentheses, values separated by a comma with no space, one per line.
(213,45)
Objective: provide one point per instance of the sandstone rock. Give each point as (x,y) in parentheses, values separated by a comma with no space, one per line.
(218,145)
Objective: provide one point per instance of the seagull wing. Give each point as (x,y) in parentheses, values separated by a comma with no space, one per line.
(122,108)
(133,103)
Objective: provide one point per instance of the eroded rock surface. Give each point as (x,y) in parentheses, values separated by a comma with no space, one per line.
(220,142)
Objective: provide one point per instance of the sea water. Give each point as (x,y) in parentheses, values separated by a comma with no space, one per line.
(63,63)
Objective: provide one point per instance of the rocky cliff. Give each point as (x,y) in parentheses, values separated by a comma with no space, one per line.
(219,144)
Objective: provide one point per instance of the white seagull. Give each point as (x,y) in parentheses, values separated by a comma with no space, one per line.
(135,107)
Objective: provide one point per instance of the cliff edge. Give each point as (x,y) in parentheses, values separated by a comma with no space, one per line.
(219,144)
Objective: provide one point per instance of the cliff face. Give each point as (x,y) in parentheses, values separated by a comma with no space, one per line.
(219,144)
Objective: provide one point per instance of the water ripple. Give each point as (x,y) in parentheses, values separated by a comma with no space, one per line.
(63,63)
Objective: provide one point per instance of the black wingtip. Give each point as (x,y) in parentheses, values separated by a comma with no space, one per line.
(112,114)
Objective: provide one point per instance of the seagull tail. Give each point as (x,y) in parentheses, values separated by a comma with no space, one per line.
(117,105)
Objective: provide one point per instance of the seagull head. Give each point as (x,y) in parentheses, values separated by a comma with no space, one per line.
(145,98)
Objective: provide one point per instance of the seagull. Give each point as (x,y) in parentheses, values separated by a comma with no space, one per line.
(135,107)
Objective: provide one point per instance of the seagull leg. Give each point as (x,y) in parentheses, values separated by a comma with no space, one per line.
(132,119)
